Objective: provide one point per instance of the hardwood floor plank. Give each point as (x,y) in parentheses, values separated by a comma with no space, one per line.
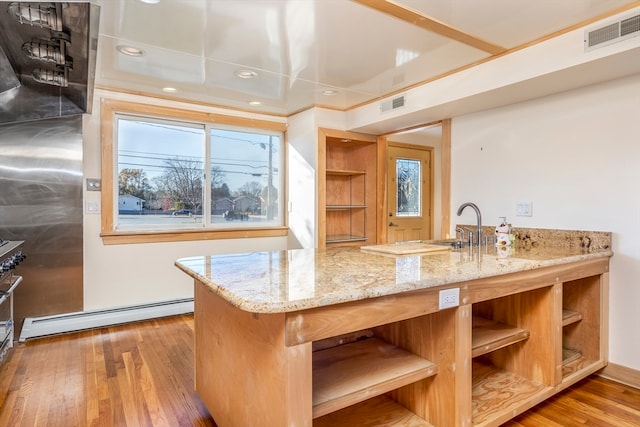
(141,374)
(594,401)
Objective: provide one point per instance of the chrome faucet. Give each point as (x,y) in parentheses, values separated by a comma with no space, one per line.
(479,219)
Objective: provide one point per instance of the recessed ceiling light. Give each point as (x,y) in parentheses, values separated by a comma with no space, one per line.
(329,92)
(255,103)
(150,1)
(246,74)
(169,89)
(129,50)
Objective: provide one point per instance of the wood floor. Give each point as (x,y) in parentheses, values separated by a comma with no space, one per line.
(141,374)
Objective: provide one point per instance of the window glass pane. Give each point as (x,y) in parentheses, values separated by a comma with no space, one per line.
(245,178)
(160,174)
(409,191)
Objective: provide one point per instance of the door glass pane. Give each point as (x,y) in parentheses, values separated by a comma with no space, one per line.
(409,191)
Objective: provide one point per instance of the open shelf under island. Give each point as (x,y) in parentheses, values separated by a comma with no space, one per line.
(325,337)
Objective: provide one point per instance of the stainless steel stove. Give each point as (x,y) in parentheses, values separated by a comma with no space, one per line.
(11,256)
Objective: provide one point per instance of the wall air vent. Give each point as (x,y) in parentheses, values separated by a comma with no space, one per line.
(392,104)
(612,33)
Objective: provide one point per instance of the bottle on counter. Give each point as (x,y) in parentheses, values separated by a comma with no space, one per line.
(503,231)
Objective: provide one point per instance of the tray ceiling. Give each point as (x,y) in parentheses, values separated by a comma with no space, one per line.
(300,53)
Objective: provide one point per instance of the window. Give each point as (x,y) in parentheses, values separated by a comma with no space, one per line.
(409,191)
(189,175)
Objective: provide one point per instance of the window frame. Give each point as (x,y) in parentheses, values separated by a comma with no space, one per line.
(109,110)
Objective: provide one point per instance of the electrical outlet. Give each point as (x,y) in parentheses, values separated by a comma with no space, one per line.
(524,209)
(94,184)
(449,298)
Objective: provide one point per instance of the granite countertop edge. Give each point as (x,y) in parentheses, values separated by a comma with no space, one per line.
(244,299)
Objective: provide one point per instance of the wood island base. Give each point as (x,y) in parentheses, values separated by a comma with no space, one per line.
(514,341)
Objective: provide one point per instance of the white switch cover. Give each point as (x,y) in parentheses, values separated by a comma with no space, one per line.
(92,207)
(524,208)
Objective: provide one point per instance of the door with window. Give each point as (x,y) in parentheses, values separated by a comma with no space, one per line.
(409,193)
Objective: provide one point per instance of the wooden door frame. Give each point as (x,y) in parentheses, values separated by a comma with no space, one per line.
(445,178)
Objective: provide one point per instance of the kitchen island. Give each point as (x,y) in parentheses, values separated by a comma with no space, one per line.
(347,337)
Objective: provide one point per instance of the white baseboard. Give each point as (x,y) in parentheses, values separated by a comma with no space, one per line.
(34,327)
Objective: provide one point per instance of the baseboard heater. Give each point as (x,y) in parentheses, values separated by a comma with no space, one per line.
(36,327)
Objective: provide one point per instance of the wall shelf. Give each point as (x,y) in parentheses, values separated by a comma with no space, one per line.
(345,238)
(343,172)
(347,189)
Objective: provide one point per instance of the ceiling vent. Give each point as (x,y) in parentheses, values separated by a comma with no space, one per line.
(392,104)
(612,33)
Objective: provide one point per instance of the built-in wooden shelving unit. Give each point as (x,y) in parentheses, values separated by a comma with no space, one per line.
(347,188)
(581,317)
(398,360)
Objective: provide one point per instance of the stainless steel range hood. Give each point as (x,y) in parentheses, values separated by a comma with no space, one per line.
(47,59)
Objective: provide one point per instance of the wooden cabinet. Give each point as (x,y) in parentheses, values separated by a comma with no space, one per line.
(347,188)
(582,318)
(518,341)
(513,350)
(515,340)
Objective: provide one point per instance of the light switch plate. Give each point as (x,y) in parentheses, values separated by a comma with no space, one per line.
(524,208)
(92,207)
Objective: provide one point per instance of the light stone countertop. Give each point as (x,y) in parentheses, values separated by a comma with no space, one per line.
(286,281)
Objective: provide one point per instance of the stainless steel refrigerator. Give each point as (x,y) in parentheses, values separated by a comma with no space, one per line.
(41,203)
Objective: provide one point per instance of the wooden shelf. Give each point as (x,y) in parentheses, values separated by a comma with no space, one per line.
(379,411)
(489,335)
(572,369)
(343,207)
(569,356)
(569,317)
(345,238)
(498,395)
(342,172)
(351,373)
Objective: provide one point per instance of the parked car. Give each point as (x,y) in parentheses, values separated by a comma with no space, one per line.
(231,215)
(182,212)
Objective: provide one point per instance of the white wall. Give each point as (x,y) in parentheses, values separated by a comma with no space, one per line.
(302,153)
(576,156)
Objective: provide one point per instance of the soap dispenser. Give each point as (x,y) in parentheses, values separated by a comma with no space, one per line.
(502,232)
